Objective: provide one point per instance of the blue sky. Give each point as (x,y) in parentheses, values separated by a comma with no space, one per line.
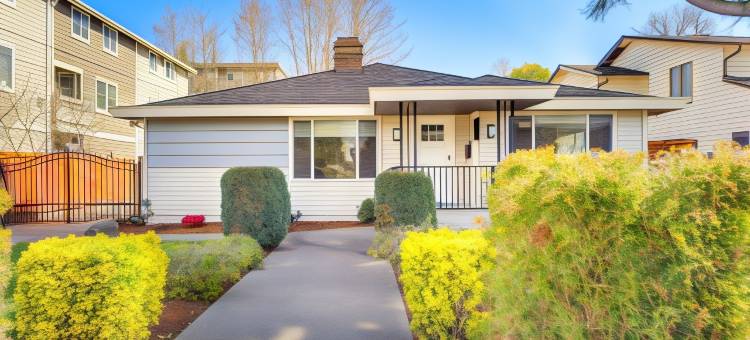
(459,37)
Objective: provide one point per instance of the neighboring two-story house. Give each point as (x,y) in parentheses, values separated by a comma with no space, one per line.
(714,71)
(222,76)
(78,64)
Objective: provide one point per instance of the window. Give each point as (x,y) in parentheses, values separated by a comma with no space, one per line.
(433,133)
(68,83)
(109,38)
(230,76)
(335,149)
(520,133)
(566,133)
(681,80)
(742,138)
(11,3)
(152,64)
(476,128)
(168,70)
(600,133)
(80,22)
(106,96)
(7,67)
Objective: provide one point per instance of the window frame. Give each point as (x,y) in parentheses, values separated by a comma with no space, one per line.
(681,69)
(613,135)
(230,73)
(116,39)
(741,134)
(11,3)
(74,71)
(378,148)
(155,70)
(171,75)
(87,40)
(106,95)
(12,87)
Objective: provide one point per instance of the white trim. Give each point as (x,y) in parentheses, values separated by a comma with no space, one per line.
(644,131)
(88,29)
(71,69)
(106,95)
(12,87)
(244,110)
(417,93)
(613,103)
(116,41)
(113,136)
(156,62)
(11,3)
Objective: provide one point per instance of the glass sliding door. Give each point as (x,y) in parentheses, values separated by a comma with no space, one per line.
(519,133)
(600,133)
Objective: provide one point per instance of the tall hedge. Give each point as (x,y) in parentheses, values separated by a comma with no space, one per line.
(605,247)
(90,287)
(409,195)
(255,201)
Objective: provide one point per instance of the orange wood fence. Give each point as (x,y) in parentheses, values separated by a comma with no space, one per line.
(70,187)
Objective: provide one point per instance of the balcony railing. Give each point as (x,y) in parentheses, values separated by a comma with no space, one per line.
(459,186)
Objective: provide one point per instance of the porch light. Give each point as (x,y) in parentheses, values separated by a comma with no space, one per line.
(491,131)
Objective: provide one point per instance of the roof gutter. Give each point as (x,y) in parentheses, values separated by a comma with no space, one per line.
(726,60)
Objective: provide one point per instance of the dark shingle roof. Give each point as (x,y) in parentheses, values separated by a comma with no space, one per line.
(607,70)
(573,91)
(332,87)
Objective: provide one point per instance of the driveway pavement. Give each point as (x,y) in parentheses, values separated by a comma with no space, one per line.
(315,285)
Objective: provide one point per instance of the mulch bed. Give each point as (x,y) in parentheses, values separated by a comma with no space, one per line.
(176,316)
(216,227)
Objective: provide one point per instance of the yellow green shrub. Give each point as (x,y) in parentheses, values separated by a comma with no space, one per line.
(6,202)
(5,274)
(90,287)
(607,247)
(441,273)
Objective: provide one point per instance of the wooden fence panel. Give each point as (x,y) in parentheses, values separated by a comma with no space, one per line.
(70,187)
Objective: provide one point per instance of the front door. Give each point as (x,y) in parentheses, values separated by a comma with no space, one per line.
(435,140)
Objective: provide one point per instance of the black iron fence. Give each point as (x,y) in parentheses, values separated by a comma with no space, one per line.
(70,187)
(457,187)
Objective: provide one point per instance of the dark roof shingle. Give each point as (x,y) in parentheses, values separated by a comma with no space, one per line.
(332,87)
(607,70)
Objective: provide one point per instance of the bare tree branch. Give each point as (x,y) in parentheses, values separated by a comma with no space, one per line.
(679,20)
(252,34)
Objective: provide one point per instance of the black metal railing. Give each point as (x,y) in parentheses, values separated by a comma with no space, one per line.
(459,186)
(70,187)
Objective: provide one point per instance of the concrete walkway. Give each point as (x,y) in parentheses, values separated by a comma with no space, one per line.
(316,285)
(36,232)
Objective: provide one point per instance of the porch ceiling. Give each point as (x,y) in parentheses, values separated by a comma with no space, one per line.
(451,107)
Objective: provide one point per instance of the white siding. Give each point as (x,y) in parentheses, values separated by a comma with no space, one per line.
(187,157)
(632,84)
(152,87)
(739,64)
(330,200)
(575,79)
(630,131)
(718,108)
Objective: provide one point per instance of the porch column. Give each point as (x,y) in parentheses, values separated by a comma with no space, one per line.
(401,133)
(497,129)
(415,136)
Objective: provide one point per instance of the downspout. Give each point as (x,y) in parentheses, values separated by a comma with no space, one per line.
(599,85)
(726,60)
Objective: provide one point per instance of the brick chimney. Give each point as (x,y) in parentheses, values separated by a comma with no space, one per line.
(347,55)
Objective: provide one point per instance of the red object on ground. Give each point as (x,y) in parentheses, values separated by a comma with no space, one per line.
(193,220)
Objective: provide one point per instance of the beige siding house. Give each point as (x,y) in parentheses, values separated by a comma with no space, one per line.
(222,76)
(332,132)
(88,65)
(23,75)
(712,71)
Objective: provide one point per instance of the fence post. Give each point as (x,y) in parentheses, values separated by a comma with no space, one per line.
(68,177)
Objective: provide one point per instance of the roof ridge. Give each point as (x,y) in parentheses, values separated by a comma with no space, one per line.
(239,87)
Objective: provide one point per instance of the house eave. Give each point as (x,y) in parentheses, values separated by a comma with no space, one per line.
(417,93)
(654,105)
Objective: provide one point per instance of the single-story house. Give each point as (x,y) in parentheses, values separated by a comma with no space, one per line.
(333,132)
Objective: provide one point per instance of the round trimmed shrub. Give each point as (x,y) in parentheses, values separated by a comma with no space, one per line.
(409,195)
(366,212)
(255,201)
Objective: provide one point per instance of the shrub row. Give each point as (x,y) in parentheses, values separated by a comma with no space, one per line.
(200,270)
(603,247)
(90,287)
(441,273)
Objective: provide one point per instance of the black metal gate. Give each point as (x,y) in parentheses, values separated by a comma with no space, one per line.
(70,187)
(457,186)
